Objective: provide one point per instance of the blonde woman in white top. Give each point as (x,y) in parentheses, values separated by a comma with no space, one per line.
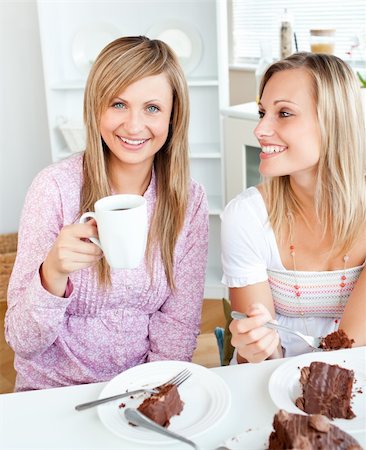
(294,247)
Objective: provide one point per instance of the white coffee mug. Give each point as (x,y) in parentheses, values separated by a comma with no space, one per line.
(122,229)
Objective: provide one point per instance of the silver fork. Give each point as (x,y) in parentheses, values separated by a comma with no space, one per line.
(178,379)
(313,342)
(136,418)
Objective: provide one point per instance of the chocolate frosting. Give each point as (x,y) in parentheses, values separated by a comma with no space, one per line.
(162,406)
(296,431)
(327,389)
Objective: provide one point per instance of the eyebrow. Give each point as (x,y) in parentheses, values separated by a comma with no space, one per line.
(283,100)
(146,102)
(279,101)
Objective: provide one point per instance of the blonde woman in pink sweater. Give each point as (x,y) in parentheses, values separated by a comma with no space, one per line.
(72,319)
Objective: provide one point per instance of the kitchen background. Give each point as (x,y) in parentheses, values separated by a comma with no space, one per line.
(43,72)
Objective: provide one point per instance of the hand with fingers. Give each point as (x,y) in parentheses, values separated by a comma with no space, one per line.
(254,342)
(69,253)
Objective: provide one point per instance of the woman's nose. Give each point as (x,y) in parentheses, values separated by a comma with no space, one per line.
(133,123)
(263,129)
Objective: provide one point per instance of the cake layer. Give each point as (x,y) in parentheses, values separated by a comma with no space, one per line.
(336,341)
(162,406)
(295,431)
(327,390)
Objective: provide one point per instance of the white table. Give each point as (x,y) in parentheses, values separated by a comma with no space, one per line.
(46,419)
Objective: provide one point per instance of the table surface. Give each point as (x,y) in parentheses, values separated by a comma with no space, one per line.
(46,419)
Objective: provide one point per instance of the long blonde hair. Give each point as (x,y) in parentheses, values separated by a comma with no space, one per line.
(121,63)
(340,194)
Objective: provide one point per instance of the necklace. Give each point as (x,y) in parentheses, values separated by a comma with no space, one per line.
(296,286)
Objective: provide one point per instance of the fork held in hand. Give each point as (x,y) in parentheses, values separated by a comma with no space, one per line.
(313,342)
(177,380)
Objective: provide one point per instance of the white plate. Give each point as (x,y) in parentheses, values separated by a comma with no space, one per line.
(284,384)
(183,38)
(89,41)
(206,398)
(257,439)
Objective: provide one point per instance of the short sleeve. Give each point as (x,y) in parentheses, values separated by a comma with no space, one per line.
(244,243)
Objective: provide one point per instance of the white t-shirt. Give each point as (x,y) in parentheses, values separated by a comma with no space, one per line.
(250,255)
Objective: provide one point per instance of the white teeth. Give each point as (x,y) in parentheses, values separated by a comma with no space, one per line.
(133,142)
(272,149)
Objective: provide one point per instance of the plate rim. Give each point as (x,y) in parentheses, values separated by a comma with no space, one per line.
(93,27)
(160,439)
(190,31)
(305,359)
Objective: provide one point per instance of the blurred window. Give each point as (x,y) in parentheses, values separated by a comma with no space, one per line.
(257,21)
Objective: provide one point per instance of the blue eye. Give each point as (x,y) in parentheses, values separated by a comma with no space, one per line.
(118,105)
(152,109)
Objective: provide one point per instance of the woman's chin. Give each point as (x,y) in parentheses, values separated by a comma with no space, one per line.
(269,172)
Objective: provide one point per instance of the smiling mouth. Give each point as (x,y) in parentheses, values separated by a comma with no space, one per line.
(132,141)
(269,149)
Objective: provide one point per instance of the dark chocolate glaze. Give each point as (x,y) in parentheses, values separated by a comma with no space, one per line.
(162,406)
(327,390)
(295,431)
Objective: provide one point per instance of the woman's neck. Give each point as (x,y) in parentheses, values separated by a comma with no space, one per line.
(304,190)
(130,179)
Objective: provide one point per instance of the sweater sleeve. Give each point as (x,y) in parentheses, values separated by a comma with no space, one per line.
(244,243)
(34,316)
(173,329)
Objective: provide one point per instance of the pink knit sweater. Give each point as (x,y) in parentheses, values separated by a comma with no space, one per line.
(94,334)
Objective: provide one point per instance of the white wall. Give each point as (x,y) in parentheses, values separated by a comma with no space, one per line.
(24,141)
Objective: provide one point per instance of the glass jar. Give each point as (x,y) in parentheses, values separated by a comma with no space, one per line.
(322,41)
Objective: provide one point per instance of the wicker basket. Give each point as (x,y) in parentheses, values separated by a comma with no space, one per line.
(8,250)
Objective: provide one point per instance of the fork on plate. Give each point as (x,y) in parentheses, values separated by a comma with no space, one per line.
(312,341)
(178,379)
(137,418)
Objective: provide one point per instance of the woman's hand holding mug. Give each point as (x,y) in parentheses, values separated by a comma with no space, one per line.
(122,229)
(118,228)
(68,254)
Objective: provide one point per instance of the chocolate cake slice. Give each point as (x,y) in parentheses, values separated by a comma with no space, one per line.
(160,407)
(336,341)
(295,431)
(327,390)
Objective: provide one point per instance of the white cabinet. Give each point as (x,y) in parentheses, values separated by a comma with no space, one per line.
(72,34)
(241,148)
